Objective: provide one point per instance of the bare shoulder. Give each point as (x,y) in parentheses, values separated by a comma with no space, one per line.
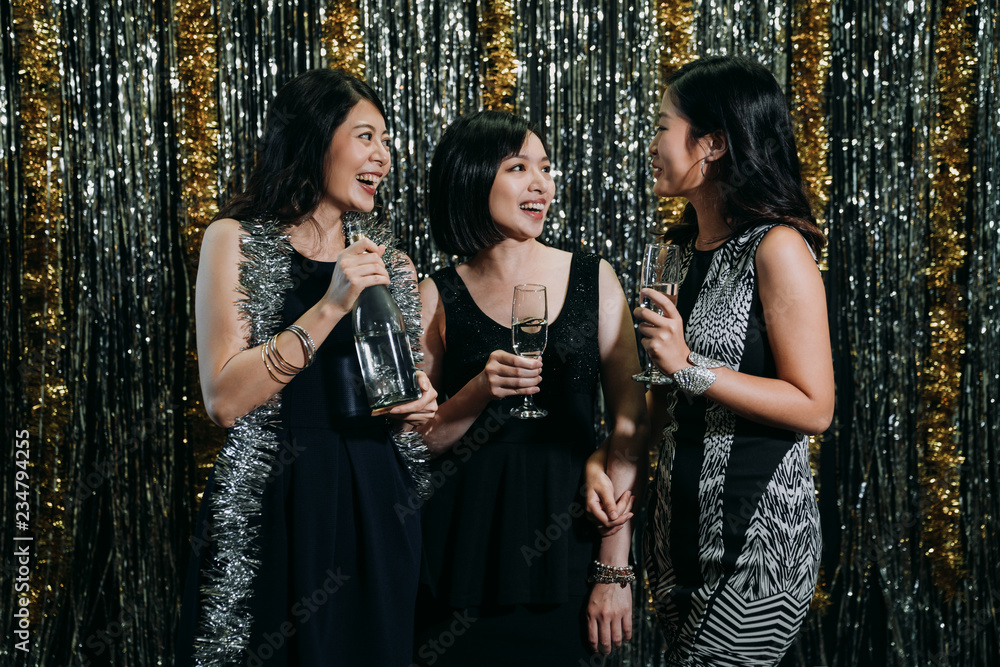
(221,239)
(787,273)
(429,294)
(223,228)
(432,319)
(607,274)
(431,306)
(217,288)
(783,246)
(609,286)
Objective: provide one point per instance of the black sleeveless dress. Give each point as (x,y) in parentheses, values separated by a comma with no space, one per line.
(506,545)
(338,564)
(733,545)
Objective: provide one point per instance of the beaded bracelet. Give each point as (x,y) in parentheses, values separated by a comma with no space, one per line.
(607,574)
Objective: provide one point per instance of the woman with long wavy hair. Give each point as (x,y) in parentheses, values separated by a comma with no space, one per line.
(299,557)
(733,541)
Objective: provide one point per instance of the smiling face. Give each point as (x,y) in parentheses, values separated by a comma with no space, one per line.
(676,155)
(522,191)
(356,161)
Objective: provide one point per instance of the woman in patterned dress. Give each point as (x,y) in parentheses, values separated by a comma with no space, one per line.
(733,539)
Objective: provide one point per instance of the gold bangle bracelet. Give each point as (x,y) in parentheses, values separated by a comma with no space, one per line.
(279,362)
(263,358)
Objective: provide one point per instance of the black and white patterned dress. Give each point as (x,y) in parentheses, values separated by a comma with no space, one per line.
(733,545)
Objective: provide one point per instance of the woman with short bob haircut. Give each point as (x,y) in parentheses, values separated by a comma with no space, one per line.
(298,550)
(461,177)
(733,539)
(506,543)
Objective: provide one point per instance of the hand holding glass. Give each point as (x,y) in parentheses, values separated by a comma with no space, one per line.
(661,270)
(529,326)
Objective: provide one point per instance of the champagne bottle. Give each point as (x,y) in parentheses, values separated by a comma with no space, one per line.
(380,338)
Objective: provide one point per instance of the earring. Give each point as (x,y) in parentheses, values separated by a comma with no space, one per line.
(702,168)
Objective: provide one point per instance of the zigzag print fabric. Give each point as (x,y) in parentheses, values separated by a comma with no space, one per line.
(733,541)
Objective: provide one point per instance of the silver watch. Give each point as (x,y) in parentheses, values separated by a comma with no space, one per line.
(694,380)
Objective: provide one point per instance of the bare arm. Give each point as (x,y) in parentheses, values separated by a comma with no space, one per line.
(505,375)
(627,442)
(624,456)
(607,503)
(801,398)
(234,380)
(659,415)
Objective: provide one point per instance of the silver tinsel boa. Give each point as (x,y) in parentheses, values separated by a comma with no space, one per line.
(247,458)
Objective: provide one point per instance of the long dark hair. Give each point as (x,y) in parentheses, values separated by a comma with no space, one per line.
(759,178)
(463,169)
(287,177)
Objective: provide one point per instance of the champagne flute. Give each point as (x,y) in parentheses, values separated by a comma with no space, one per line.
(529,326)
(661,270)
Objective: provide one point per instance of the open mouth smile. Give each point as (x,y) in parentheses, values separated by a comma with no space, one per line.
(536,209)
(369,182)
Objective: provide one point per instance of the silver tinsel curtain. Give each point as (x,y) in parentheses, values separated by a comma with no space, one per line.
(123,125)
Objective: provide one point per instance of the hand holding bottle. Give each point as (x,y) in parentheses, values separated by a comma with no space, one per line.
(380,337)
(359,266)
(417,412)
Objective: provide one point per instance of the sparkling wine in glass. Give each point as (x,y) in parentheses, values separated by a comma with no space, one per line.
(661,270)
(529,320)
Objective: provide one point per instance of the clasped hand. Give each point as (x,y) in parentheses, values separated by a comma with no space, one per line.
(603,508)
(662,335)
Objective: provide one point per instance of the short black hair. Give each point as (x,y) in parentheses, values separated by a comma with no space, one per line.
(463,169)
(287,180)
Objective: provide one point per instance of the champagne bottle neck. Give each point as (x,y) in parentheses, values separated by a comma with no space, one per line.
(353,230)
(353,233)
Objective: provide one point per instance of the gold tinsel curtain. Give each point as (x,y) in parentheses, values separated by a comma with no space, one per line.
(124,125)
